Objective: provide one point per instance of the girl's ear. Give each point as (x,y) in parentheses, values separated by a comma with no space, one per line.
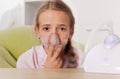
(37,33)
(71,32)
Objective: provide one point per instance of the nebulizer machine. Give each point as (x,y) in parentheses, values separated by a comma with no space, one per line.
(104,57)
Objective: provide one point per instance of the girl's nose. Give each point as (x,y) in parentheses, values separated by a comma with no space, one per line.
(54,31)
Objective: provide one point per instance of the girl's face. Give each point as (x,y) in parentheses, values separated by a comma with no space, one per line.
(53,22)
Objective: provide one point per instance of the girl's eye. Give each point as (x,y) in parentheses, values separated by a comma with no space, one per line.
(46,28)
(63,29)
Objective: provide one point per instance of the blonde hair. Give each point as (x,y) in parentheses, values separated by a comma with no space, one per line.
(61,6)
(56,5)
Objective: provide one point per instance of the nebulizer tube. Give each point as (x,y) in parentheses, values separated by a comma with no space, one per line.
(112,39)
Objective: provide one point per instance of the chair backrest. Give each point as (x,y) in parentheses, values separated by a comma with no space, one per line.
(17,40)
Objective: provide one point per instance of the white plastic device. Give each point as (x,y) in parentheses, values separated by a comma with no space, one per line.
(103,60)
(104,57)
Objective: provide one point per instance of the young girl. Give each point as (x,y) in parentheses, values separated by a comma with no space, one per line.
(55,28)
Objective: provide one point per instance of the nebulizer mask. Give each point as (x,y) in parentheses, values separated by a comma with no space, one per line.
(53,40)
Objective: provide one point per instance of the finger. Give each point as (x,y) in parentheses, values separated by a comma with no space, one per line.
(60,63)
(46,49)
(58,51)
(51,50)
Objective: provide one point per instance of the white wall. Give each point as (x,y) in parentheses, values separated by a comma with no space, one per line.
(88,14)
(92,13)
(11,13)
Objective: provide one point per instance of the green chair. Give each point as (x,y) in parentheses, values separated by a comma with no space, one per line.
(15,41)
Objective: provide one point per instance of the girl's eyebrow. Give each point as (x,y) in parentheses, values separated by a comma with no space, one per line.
(50,25)
(45,25)
(63,25)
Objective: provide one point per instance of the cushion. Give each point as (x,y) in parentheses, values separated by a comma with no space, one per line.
(18,40)
(6,59)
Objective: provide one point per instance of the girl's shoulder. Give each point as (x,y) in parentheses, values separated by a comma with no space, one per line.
(32,50)
(27,59)
(29,53)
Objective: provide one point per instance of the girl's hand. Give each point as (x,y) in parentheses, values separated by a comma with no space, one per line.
(53,57)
